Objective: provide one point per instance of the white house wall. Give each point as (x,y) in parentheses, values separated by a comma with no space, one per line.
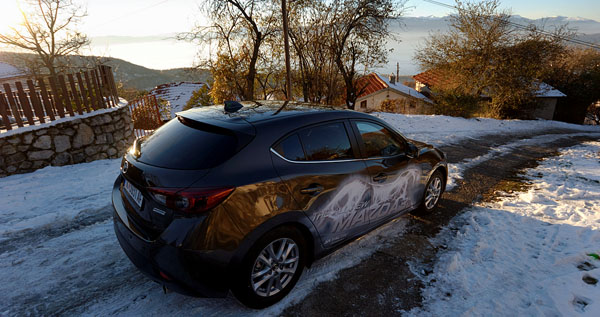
(374,101)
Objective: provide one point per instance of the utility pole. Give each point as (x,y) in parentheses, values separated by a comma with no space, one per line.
(288,82)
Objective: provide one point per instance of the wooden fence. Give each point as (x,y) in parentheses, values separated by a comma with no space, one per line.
(145,115)
(48,99)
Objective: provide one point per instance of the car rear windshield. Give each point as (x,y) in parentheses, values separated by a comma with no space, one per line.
(178,146)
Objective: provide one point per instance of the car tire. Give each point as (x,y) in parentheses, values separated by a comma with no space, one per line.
(267,273)
(433,192)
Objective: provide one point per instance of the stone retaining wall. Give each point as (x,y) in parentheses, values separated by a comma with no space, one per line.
(101,136)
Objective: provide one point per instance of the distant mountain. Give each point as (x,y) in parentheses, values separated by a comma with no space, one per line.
(139,77)
(116,39)
(410,33)
(427,24)
(129,74)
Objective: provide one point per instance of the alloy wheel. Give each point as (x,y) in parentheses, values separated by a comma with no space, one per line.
(275,267)
(434,189)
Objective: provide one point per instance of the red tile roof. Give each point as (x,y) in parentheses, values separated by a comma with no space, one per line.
(432,78)
(370,84)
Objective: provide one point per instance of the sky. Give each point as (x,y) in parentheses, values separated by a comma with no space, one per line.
(164,18)
(533,9)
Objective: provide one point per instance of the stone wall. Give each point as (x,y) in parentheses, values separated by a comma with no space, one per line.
(107,134)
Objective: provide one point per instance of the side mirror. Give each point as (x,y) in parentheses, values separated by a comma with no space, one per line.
(413,150)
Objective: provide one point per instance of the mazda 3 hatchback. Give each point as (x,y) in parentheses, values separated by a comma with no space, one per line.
(242,197)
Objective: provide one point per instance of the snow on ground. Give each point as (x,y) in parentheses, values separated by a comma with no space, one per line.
(177,94)
(525,254)
(85,266)
(54,194)
(56,235)
(443,130)
(455,170)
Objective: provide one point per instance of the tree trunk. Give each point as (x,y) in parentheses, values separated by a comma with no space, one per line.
(251,76)
(350,89)
(288,71)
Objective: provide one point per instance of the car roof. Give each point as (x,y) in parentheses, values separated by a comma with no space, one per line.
(258,112)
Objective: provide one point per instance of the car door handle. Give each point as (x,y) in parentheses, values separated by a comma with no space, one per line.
(313,189)
(380,177)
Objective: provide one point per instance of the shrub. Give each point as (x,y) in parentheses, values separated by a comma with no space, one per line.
(453,103)
(200,98)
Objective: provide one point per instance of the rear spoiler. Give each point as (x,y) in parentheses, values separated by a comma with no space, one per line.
(238,127)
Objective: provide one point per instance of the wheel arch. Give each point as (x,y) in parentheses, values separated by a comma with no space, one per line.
(296,219)
(443,168)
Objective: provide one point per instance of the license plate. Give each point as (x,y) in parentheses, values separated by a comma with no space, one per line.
(133,193)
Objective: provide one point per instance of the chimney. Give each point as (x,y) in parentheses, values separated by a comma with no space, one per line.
(398,71)
(392,79)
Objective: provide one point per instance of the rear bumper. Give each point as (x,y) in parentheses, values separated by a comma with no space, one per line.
(184,271)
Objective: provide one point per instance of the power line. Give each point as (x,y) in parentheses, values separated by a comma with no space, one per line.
(525,27)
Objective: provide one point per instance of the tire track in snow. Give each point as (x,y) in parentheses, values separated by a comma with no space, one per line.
(56,275)
(15,240)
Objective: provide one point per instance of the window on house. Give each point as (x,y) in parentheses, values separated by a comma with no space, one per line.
(363,104)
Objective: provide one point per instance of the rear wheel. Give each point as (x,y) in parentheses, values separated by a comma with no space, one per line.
(271,268)
(433,192)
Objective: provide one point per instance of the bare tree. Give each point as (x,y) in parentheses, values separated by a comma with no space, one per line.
(485,54)
(239,28)
(359,31)
(310,35)
(336,41)
(48,30)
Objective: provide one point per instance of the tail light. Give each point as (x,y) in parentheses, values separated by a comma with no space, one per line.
(191,200)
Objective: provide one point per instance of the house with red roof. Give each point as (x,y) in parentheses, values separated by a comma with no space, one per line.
(547,96)
(380,93)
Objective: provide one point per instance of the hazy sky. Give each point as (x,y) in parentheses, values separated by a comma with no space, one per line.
(147,17)
(533,9)
(158,17)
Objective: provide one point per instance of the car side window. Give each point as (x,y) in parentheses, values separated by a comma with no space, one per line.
(326,142)
(291,149)
(379,141)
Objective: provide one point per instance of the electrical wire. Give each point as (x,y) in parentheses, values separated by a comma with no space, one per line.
(525,27)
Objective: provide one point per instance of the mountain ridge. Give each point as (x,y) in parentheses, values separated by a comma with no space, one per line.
(127,73)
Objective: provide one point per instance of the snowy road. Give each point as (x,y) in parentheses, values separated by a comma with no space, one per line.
(59,255)
(526,254)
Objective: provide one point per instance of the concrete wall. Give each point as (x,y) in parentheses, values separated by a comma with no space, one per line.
(404,104)
(107,134)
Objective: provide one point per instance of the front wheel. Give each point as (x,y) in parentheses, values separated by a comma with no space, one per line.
(433,192)
(271,268)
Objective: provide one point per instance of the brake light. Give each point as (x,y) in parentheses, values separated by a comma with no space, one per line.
(191,200)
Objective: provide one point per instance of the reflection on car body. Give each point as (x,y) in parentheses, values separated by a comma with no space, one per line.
(249,197)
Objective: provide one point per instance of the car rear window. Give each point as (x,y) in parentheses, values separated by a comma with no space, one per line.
(178,146)
(291,149)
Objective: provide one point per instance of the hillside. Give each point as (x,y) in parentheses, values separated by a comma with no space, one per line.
(131,75)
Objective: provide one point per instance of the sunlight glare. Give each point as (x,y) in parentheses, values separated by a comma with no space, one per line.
(10,16)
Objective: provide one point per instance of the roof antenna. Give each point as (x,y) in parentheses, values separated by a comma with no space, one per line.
(232,106)
(281,108)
